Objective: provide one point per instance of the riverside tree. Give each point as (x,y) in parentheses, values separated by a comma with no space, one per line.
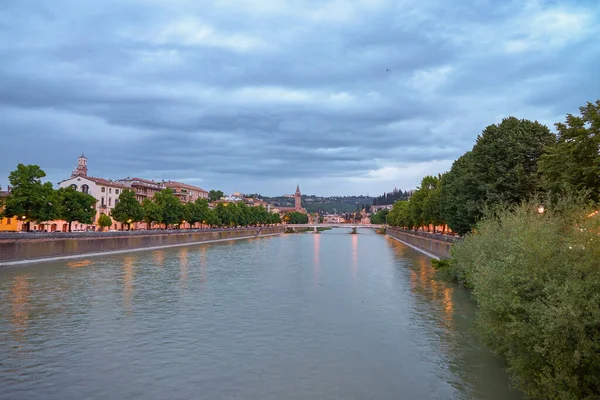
(172,211)
(152,213)
(215,195)
(501,168)
(104,221)
(75,206)
(572,163)
(128,209)
(30,199)
(536,281)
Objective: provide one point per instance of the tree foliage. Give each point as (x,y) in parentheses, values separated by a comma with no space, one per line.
(151,212)
(572,163)
(501,168)
(380,217)
(75,206)
(30,198)
(172,211)
(537,285)
(128,209)
(104,221)
(215,195)
(296,217)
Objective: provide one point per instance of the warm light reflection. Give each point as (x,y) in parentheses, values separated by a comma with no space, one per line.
(19,299)
(316,258)
(354,255)
(159,258)
(127,284)
(203,265)
(79,264)
(183,266)
(424,282)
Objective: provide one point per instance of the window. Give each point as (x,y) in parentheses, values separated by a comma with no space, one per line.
(110,201)
(85,189)
(103,189)
(116,191)
(74,186)
(8,221)
(109,190)
(102,201)
(116,201)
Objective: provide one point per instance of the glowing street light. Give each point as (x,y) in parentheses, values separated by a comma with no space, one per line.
(541,209)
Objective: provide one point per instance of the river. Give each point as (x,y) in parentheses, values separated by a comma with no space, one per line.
(300,316)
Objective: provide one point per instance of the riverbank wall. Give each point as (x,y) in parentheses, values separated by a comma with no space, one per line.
(30,248)
(434,246)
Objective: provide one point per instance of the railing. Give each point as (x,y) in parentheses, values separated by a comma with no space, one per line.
(96,234)
(435,236)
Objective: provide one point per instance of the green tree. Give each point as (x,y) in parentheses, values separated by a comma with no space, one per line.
(171,209)
(224,214)
(202,212)
(151,212)
(296,217)
(30,199)
(215,195)
(501,169)
(128,209)
(380,217)
(104,221)
(536,281)
(75,206)
(572,163)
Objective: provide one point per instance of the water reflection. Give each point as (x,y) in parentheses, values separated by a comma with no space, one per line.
(316,258)
(79,264)
(159,258)
(203,250)
(20,307)
(183,267)
(354,255)
(127,284)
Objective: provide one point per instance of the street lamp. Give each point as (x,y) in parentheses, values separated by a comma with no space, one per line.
(541,209)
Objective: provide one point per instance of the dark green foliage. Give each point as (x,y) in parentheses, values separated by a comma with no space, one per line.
(75,206)
(380,217)
(30,198)
(152,212)
(572,164)
(128,209)
(296,217)
(215,195)
(104,221)
(536,280)
(501,169)
(172,211)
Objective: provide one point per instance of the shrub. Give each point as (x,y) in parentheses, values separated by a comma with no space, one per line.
(536,279)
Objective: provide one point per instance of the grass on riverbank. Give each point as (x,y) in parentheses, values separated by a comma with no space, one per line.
(536,280)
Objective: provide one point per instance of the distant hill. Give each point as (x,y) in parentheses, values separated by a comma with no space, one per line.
(329,205)
(392,197)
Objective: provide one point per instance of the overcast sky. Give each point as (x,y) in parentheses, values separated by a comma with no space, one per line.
(340,97)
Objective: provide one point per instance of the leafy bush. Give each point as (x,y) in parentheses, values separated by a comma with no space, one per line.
(536,279)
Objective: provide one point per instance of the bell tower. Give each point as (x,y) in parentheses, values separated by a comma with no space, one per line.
(297,199)
(81,166)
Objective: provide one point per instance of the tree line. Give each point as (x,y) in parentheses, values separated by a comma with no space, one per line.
(32,200)
(391,198)
(511,162)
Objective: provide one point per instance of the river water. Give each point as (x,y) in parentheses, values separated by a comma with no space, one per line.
(304,316)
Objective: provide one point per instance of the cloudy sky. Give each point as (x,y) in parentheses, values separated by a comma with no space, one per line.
(340,97)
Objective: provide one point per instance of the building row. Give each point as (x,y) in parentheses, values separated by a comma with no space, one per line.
(107,192)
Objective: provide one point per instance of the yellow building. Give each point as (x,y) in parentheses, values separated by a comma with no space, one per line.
(8,224)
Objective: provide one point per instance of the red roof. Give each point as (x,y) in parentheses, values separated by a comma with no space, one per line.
(104,182)
(173,184)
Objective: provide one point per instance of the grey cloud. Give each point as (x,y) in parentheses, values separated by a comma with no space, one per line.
(268,96)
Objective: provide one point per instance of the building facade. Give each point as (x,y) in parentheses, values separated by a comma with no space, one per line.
(186,193)
(143,188)
(106,192)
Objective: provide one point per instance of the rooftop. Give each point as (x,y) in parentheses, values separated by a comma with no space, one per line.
(174,184)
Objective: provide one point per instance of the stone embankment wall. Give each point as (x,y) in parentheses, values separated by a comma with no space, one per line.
(429,243)
(38,246)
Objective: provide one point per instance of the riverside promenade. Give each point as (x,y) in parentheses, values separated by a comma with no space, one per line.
(32,247)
